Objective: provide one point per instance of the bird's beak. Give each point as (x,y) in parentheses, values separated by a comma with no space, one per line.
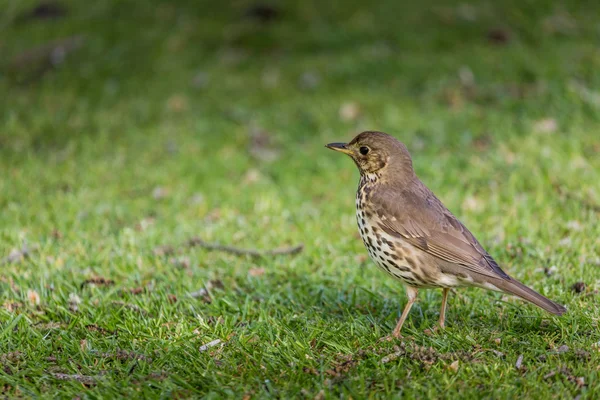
(341,147)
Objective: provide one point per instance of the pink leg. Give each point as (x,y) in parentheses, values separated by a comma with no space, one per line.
(443,310)
(412,296)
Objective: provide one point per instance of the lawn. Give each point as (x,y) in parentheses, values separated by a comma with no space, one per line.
(162,125)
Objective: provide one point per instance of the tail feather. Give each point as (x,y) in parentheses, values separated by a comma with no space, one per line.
(515,287)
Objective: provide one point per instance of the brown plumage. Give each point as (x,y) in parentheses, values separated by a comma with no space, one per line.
(412,236)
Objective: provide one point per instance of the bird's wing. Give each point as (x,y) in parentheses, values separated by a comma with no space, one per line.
(422,220)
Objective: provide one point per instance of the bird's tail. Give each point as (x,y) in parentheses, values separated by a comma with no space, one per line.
(515,287)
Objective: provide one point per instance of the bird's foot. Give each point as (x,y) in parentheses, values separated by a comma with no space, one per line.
(391,338)
(434,330)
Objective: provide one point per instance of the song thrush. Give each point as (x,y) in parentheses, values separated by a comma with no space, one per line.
(412,236)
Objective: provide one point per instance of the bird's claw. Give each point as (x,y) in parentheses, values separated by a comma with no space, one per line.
(391,338)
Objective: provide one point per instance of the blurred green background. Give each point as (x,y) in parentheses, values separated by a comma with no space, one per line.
(129,127)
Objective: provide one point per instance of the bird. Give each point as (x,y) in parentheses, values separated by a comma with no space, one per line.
(412,236)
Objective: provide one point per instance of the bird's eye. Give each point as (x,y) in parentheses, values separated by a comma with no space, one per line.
(364,150)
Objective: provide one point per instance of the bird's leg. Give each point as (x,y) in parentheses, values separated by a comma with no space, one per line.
(412,296)
(443,309)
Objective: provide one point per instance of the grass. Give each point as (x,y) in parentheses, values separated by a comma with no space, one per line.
(143,138)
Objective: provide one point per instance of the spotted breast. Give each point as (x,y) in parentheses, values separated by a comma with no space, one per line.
(396,257)
(411,235)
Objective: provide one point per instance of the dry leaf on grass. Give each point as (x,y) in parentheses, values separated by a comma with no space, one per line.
(258,271)
(454,366)
(349,111)
(74,302)
(50,325)
(33,297)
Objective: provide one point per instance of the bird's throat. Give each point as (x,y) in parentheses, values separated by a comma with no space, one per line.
(369,178)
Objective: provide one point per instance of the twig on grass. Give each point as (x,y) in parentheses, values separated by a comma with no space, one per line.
(245,252)
(208,345)
(98,281)
(85,379)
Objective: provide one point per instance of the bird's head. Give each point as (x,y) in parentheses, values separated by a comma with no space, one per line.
(377,152)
